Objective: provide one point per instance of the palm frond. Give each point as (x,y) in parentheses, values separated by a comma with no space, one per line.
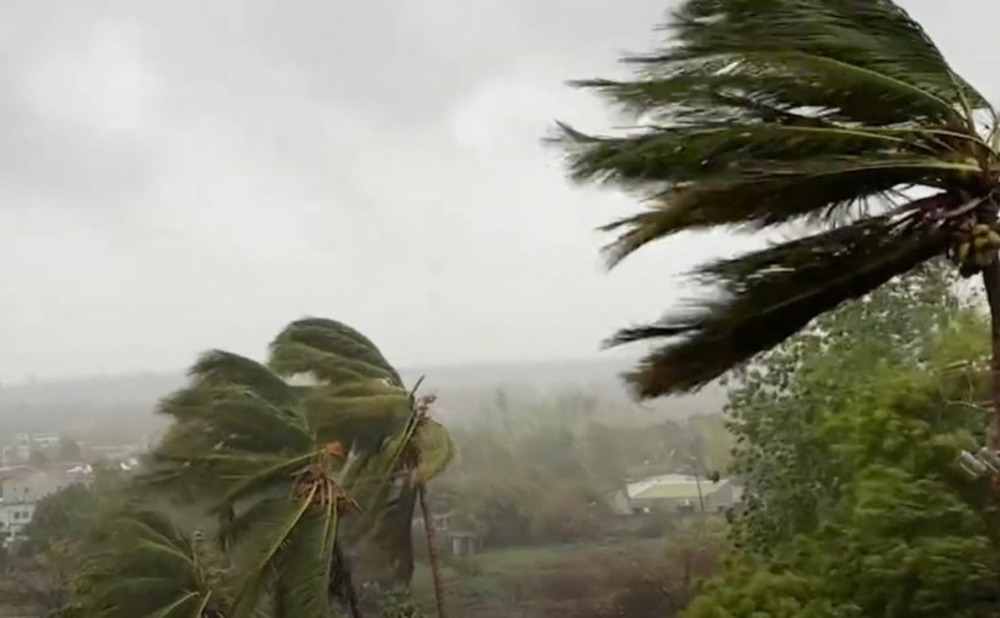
(222,479)
(766,112)
(218,368)
(330,351)
(147,568)
(875,41)
(257,538)
(361,417)
(307,569)
(435,450)
(771,294)
(237,417)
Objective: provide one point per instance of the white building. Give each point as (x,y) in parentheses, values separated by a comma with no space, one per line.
(22,486)
(682,491)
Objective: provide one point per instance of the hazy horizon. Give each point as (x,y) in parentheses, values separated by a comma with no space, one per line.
(618,358)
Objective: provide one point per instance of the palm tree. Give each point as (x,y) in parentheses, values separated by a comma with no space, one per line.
(838,114)
(421,452)
(425,451)
(148,567)
(284,453)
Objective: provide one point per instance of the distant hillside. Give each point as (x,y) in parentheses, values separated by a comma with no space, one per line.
(123,404)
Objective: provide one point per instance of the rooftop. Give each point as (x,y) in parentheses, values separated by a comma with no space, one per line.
(672,486)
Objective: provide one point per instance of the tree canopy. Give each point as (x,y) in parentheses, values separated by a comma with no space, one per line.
(847,438)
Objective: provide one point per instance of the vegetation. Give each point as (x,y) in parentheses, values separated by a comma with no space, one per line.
(855,504)
(147,563)
(291,465)
(857,367)
(540,472)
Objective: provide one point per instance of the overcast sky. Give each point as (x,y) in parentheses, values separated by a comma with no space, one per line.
(183,175)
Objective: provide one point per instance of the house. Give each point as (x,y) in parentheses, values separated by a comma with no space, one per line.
(681,492)
(459,541)
(24,444)
(23,486)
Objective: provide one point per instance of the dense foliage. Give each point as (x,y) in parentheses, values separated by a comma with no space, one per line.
(778,406)
(848,436)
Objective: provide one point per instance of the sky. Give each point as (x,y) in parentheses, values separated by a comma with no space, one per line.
(179,176)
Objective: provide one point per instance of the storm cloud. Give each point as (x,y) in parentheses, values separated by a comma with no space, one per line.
(182,175)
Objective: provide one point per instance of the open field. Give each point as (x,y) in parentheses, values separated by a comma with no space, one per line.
(560,580)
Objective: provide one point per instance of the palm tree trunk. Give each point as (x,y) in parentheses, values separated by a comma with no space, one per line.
(342,570)
(432,549)
(991,282)
(701,496)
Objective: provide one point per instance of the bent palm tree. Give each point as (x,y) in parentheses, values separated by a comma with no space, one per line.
(423,451)
(768,112)
(150,568)
(281,463)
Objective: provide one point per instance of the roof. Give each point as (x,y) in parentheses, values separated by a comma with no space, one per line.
(62,469)
(672,487)
(678,491)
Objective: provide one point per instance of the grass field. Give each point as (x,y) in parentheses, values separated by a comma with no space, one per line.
(537,581)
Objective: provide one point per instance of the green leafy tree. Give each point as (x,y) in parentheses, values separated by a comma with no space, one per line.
(66,515)
(818,113)
(858,509)
(778,406)
(907,536)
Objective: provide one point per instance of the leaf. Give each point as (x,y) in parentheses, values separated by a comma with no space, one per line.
(771,294)
(259,536)
(218,368)
(435,450)
(235,417)
(363,420)
(148,568)
(329,350)
(306,572)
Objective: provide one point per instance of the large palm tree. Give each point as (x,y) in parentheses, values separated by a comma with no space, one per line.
(838,114)
(285,453)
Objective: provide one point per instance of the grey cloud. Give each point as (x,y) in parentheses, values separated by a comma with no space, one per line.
(190,174)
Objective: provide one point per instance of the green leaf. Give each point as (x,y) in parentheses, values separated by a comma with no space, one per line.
(770,295)
(258,537)
(306,571)
(364,420)
(330,351)
(435,450)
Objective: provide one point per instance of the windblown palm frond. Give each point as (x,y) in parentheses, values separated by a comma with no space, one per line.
(329,351)
(767,112)
(150,568)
